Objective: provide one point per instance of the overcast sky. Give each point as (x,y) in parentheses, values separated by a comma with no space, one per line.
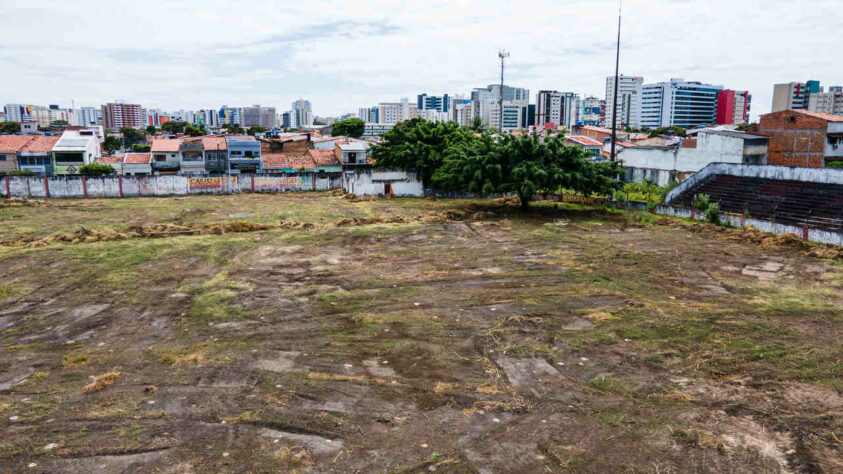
(343,55)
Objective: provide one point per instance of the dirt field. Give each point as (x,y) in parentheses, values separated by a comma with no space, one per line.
(447,336)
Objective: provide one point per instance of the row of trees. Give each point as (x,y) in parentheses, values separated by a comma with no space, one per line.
(450,157)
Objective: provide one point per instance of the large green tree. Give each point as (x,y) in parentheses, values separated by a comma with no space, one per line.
(132,135)
(255,129)
(524,165)
(9,127)
(192,131)
(233,128)
(150,130)
(174,126)
(420,146)
(111,143)
(353,127)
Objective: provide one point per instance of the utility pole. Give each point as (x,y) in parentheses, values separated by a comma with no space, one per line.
(503,54)
(615,98)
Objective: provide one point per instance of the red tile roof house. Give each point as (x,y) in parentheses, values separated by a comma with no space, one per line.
(137,164)
(282,163)
(37,155)
(9,147)
(115,162)
(589,144)
(216,154)
(165,155)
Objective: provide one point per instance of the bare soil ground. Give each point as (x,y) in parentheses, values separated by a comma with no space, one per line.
(462,336)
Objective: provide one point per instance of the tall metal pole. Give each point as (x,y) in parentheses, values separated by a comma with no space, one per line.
(615,98)
(502,54)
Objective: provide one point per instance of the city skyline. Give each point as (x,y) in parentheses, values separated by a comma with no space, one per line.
(342,60)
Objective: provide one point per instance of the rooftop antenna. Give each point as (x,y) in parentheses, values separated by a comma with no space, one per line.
(503,54)
(615,98)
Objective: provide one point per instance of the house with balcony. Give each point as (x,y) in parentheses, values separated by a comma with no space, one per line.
(166,158)
(216,154)
(37,155)
(244,154)
(192,154)
(74,149)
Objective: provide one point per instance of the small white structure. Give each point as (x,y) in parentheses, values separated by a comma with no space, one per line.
(353,153)
(374,182)
(664,164)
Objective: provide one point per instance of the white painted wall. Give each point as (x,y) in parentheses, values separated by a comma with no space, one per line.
(371,183)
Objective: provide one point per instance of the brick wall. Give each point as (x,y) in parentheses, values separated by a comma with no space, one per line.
(795,139)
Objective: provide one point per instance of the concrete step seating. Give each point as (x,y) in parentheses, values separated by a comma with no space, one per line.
(796,203)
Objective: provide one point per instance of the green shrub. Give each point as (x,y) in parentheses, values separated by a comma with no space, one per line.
(700,202)
(619,196)
(96,169)
(712,213)
(17,173)
(138,148)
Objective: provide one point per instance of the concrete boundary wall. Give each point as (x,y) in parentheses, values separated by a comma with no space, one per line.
(165,185)
(804,232)
(787,173)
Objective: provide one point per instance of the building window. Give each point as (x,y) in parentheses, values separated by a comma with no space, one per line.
(2,157)
(352,157)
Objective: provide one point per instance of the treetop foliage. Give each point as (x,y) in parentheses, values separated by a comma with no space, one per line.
(455,158)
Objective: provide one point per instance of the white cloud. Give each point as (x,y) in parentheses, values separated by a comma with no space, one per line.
(344,55)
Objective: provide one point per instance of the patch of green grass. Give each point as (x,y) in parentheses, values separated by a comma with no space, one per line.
(10,291)
(606,384)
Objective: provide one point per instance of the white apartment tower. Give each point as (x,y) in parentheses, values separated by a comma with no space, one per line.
(627,99)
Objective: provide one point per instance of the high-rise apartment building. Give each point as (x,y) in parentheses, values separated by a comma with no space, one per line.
(432,102)
(562,109)
(592,112)
(18,113)
(733,107)
(794,95)
(230,115)
(259,116)
(676,103)
(390,112)
(627,103)
(85,116)
(117,114)
(302,113)
(484,97)
(830,102)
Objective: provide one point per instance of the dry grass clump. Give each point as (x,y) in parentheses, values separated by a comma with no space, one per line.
(102,381)
(294,455)
(193,358)
(601,316)
(488,389)
(442,387)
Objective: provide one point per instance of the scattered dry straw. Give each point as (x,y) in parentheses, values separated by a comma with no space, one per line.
(101,382)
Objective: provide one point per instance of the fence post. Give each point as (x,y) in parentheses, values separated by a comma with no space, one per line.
(46,188)
(253,182)
(313,180)
(805,232)
(84,186)
(8,192)
(120,185)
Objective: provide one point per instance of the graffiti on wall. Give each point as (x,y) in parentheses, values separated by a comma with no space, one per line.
(208,183)
(277,183)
